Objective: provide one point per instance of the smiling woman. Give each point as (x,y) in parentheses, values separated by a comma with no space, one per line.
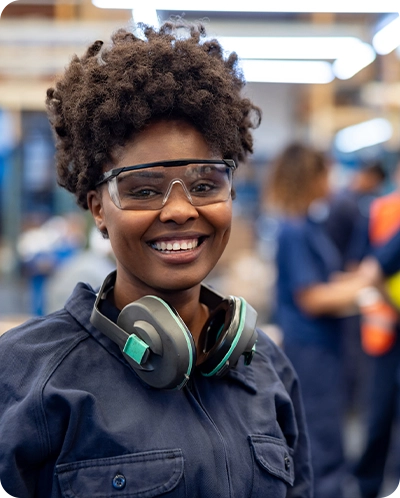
(156,384)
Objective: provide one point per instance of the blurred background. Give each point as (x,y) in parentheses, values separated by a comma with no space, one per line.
(315,74)
(324,73)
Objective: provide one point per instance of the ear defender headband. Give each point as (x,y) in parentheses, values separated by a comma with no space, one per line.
(160,348)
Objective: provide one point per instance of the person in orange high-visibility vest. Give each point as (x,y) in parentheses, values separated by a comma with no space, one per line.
(379,309)
(380,339)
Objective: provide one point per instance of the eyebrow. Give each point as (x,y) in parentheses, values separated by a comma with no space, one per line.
(161,173)
(143,173)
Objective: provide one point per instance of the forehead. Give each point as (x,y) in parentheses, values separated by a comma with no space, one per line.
(164,140)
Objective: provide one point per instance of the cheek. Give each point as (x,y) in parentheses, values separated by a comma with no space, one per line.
(126,228)
(220,217)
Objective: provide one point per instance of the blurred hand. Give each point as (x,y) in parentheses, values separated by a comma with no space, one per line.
(370,271)
(340,276)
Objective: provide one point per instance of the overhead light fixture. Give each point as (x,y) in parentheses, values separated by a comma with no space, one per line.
(350,53)
(346,66)
(292,47)
(364,134)
(143,12)
(388,38)
(285,71)
(343,6)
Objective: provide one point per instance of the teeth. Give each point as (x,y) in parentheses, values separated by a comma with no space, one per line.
(175,245)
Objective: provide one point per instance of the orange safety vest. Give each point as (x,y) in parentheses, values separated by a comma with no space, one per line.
(384,218)
(378,317)
(384,224)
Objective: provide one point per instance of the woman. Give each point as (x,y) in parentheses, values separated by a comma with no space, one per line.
(311,295)
(113,396)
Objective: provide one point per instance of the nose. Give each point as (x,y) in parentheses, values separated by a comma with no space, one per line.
(177,204)
(177,181)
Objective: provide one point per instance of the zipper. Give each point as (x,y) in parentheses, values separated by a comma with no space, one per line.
(194,393)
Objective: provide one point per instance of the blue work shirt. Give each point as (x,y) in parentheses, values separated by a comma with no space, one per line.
(305,257)
(76,421)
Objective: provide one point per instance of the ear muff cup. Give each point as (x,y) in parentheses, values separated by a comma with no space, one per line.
(160,348)
(227,334)
(172,354)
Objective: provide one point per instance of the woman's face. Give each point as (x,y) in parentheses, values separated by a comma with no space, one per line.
(139,238)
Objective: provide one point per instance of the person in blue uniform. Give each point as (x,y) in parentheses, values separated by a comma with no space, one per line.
(155,385)
(311,294)
(347,226)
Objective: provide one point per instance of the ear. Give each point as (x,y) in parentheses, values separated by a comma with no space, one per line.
(95,203)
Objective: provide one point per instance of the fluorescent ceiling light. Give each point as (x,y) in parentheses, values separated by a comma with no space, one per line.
(388,38)
(143,12)
(364,134)
(350,6)
(290,47)
(348,65)
(284,71)
(351,54)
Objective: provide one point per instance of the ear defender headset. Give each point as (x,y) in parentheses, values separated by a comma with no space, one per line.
(160,348)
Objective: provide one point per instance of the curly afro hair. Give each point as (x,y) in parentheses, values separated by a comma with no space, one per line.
(112,92)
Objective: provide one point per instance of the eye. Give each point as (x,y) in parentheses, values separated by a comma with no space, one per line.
(141,193)
(205,187)
(201,187)
(140,186)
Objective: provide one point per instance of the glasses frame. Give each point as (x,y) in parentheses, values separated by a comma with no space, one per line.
(113,173)
(110,177)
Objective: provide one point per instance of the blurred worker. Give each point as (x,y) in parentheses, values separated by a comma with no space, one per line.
(91,264)
(383,383)
(42,249)
(347,219)
(347,226)
(311,295)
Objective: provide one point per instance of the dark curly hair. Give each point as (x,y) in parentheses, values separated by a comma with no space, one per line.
(111,93)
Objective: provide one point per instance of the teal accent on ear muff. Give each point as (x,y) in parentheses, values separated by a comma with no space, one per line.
(135,348)
(160,348)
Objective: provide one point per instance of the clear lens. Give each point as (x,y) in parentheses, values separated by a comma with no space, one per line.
(149,188)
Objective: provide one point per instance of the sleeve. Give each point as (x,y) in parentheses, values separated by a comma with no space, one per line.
(23,439)
(388,255)
(359,244)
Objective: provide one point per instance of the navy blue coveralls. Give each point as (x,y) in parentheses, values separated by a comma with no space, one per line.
(76,421)
(306,256)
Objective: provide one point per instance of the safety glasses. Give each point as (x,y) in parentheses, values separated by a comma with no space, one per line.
(148,186)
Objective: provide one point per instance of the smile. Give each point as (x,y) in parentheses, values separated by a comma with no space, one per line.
(175,245)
